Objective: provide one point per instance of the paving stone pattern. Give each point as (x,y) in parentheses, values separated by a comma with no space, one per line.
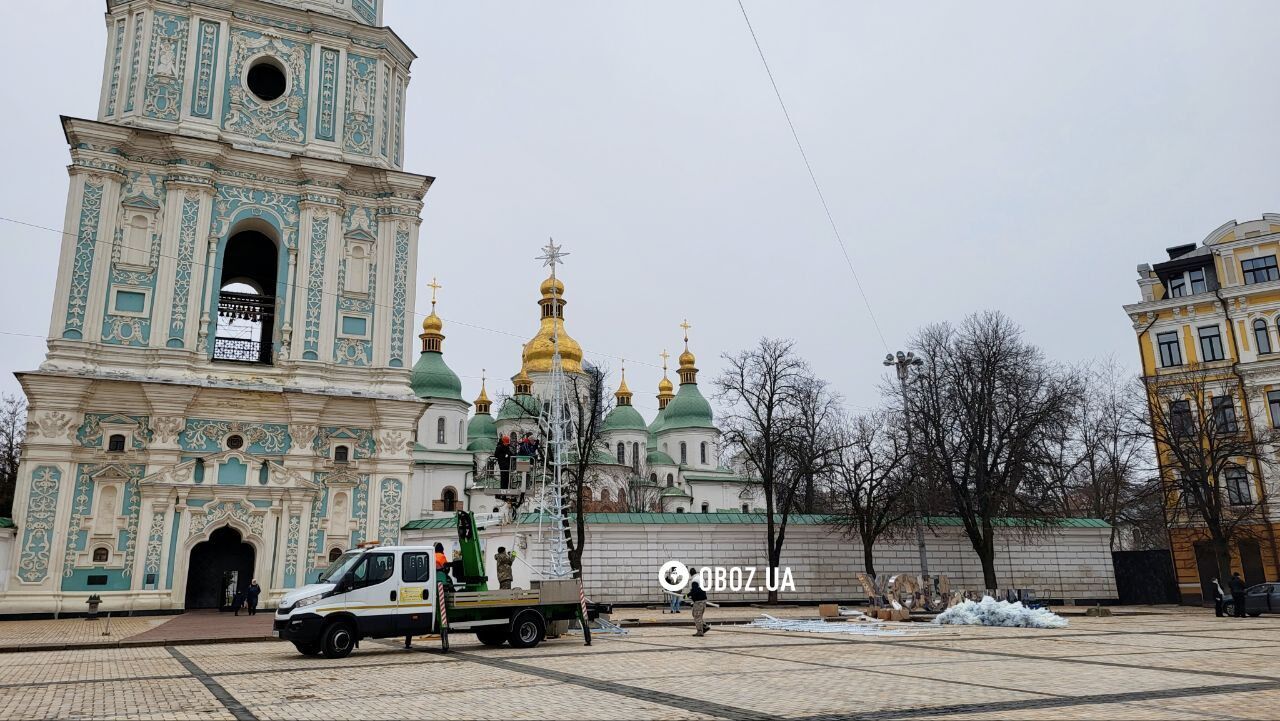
(1177,663)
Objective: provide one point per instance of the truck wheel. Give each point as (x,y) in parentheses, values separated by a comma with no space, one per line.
(307,649)
(527,630)
(492,635)
(339,639)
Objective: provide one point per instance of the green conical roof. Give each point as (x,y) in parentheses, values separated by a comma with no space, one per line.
(482,433)
(521,405)
(623,418)
(431,378)
(658,458)
(687,410)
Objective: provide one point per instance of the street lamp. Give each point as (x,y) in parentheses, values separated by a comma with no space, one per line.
(903,363)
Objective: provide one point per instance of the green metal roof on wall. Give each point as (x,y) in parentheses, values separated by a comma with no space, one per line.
(432,378)
(674,491)
(687,410)
(731,518)
(716,476)
(623,418)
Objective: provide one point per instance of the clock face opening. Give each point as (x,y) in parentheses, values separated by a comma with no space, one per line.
(266,79)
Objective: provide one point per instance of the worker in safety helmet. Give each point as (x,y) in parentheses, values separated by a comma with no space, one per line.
(442,564)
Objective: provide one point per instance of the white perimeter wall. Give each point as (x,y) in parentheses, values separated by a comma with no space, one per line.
(622,561)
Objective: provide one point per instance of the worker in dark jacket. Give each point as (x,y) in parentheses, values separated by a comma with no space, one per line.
(1237,593)
(699,599)
(1219,599)
(502,454)
(504,560)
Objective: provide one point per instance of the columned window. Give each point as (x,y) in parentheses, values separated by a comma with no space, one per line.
(1261,336)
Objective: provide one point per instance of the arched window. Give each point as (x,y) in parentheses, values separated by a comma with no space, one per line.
(706,507)
(746,508)
(703,452)
(671,480)
(1262,336)
(100,555)
(462,435)
(679,509)
(334,553)
(606,496)
(622,453)
(449,499)
(246,300)
(653,478)
(635,457)
(115,443)
(440,430)
(586,494)
(341,454)
(684,453)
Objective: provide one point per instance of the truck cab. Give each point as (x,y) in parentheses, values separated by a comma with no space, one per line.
(375,592)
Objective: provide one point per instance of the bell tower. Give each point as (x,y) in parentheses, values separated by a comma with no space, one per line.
(230,343)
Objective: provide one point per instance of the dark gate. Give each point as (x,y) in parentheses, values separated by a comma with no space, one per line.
(1251,562)
(213,563)
(1144,577)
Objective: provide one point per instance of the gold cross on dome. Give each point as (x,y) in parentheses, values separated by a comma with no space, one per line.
(434,286)
(686,327)
(664,355)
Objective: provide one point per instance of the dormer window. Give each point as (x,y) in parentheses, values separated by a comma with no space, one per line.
(115,444)
(340,454)
(1192,282)
(100,555)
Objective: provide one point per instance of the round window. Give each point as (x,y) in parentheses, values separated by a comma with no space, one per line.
(266,79)
(234,442)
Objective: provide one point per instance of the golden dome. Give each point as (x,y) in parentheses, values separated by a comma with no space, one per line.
(551,284)
(623,394)
(484,396)
(432,323)
(686,358)
(665,386)
(537,354)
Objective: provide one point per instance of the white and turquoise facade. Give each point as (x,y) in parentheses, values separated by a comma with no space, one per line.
(231,341)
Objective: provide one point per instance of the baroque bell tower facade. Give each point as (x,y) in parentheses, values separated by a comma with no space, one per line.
(226,395)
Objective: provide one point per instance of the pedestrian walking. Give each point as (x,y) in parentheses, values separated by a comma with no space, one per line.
(699,598)
(1219,599)
(237,602)
(251,596)
(1237,593)
(504,560)
(674,606)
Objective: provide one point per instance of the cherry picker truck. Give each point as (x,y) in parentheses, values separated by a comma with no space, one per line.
(399,592)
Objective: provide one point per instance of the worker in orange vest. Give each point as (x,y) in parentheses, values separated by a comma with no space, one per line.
(442,564)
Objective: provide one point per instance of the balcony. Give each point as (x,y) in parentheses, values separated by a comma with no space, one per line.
(245,323)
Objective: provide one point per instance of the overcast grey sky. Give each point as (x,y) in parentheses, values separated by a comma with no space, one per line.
(1011,155)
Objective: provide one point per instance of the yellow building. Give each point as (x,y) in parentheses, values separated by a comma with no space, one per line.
(1210,316)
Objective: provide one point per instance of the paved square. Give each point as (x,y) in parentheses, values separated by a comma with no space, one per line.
(1175,663)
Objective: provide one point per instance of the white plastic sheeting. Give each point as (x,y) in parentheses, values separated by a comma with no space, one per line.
(858,629)
(990,612)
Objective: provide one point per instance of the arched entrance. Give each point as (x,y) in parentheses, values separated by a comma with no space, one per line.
(222,562)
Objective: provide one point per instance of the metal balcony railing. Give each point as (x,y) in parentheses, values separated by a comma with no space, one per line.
(254,309)
(245,350)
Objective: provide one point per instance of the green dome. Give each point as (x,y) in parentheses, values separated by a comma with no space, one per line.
(658,458)
(687,410)
(673,491)
(431,378)
(522,405)
(482,433)
(623,418)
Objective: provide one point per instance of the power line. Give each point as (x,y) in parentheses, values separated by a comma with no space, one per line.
(813,177)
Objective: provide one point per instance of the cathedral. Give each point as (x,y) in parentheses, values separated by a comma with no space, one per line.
(229,392)
(634,465)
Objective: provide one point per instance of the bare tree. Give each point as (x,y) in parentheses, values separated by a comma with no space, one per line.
(984,404)
(761,388)
(13,430)
(641,495)
(816,440)
(872,490)
(589,403)
(1211,465)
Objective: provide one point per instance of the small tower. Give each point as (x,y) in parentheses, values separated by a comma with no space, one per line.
(482,432)
(624,429)
(432,380)
(665,388)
